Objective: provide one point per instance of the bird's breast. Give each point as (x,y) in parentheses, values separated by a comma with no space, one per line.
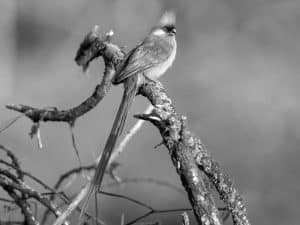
(158,70)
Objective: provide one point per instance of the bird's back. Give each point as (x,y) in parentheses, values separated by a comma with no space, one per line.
(152,58)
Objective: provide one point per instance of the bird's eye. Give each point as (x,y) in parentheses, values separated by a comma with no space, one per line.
(170,29)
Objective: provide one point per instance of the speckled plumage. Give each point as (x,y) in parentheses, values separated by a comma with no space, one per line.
(154,55)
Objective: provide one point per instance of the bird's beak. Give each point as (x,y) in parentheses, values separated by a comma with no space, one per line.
(173,31)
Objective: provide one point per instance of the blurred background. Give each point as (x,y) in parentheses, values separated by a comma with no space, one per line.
(236,78)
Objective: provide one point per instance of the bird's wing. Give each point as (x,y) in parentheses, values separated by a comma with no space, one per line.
(144,56)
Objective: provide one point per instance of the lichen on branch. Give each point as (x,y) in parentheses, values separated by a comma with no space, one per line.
(190,158)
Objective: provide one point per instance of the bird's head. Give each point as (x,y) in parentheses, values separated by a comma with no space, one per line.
(166,25)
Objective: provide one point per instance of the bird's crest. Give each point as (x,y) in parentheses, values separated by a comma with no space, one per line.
(168,18)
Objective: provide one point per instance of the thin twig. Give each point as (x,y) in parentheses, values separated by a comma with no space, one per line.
(96,208)
(73,205)
(31,194)
(71,125)
(126,198)
(150,180)
(140,218)
(14,160)
(72,172)
(126,180)
(78,209)
(47,187)
(150,208)
(10,122)
(18,180)
(6,200)
(150,212)
(24,206)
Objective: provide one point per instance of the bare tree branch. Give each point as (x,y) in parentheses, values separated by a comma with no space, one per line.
(14,160)
(23,204)
(92,47)
(190,158)
(30,193)
(16,188)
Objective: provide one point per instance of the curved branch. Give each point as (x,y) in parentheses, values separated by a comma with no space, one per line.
(92,47)
(191,158)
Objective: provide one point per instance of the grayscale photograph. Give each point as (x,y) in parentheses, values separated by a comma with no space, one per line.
(149,112)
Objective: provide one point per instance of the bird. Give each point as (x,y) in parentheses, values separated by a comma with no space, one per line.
(148,60)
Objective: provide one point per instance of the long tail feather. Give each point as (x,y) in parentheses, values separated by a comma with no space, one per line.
(130,91)
(131,88)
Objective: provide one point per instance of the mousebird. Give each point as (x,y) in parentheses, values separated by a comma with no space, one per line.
(148,60)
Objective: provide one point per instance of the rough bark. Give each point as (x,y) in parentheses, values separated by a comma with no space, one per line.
(190,158)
